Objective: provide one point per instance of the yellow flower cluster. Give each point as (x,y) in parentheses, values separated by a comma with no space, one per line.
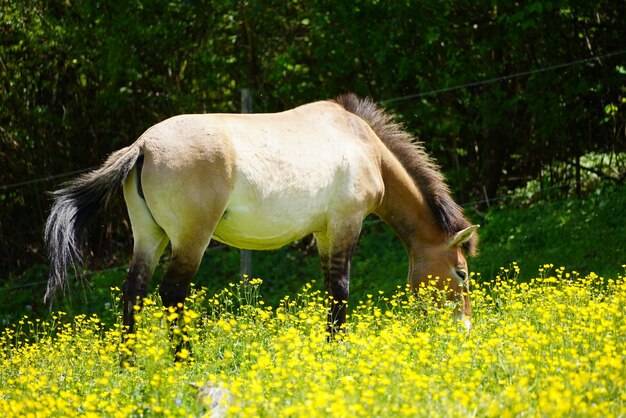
(552,346)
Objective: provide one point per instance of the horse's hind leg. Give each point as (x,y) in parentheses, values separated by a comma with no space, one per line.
(190,231)
(190,234)
(174,288)
(180,271)
(145,259)
(187,197)
(149,242)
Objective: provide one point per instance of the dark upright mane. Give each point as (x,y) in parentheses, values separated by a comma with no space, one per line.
(416,162)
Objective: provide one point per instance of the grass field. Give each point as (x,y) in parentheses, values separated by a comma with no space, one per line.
(551,346)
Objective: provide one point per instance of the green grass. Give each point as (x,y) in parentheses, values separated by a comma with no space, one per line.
(586,234)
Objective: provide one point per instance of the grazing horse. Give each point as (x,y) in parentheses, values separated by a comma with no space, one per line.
(260,181)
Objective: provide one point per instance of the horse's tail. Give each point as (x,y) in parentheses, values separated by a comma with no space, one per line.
(75,206)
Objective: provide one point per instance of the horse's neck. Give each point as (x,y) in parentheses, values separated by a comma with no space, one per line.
(405,209)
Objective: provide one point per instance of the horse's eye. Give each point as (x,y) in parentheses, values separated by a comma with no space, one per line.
(462,274)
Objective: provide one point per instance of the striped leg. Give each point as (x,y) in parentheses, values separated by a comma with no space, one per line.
(335,252)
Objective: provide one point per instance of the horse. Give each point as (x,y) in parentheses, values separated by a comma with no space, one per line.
(261,181)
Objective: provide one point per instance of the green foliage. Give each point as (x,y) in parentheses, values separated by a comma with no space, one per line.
(586,176)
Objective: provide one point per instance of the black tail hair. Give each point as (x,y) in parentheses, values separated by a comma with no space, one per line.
(74,207)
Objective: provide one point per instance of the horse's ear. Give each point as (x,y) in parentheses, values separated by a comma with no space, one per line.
(463,236)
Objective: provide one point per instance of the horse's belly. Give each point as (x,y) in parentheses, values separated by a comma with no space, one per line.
(264,227)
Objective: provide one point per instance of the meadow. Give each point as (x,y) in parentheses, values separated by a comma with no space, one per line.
(553,346)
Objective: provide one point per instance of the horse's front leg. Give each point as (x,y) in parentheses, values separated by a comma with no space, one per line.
(335,257)
(337,285)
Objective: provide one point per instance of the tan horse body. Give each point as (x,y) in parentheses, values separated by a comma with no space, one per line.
(260,181)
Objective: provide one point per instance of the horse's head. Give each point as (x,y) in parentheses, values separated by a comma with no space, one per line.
(445,266)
